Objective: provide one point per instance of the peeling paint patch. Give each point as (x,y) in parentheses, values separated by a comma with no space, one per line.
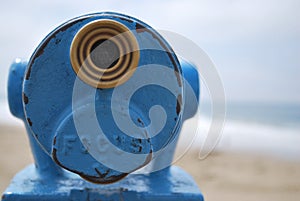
(28,72)
(178,104)
(25,98)
(29,121)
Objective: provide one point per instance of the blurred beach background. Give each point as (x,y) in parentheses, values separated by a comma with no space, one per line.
(255,46)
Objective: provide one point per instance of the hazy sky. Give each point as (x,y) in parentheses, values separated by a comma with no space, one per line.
(254,44)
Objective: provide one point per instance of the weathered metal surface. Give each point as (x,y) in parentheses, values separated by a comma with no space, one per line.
(171,185)
(52,98)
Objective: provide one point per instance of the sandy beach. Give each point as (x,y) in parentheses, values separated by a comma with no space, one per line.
(222,176)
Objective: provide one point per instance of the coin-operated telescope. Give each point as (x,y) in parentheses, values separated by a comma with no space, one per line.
(103,99)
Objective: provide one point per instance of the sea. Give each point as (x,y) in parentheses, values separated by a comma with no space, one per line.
(267,129)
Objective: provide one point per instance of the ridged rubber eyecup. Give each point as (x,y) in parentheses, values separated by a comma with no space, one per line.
(113,40)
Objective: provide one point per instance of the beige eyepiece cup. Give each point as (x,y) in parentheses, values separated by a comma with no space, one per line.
(104,53)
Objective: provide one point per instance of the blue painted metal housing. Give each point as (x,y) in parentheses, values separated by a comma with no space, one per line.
(41,92)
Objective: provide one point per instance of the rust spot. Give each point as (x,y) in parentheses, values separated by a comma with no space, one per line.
(140,28)
(3,197)
(118,139)
(28,73)
(133,143)
(57,41)
(126,19)
(54,141)
(99,180)
(140,148)
(174,62)
(123,189)
(40,49)
(140,140)
(178,104)
(93,179)
(102,175)
(62,28)
(25,98)
(178,77)
(139,120)
(29,121)
(148,159)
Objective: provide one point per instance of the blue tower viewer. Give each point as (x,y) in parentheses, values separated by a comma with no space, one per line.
(103,99)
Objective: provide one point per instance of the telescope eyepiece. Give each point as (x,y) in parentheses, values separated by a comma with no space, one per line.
(104,53)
